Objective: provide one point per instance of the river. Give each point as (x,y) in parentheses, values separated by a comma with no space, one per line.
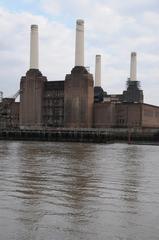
(78,191)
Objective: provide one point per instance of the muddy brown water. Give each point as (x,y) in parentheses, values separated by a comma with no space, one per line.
(78,191)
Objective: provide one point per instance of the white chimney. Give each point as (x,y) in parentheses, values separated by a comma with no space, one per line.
(98,71)
(133,67)
(34,48)
(79,48)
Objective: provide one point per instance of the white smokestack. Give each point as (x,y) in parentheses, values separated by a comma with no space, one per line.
(34,48)
(98,71)
(133,67)
(79,48)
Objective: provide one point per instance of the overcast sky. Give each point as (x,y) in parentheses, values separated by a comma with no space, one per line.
(113,28)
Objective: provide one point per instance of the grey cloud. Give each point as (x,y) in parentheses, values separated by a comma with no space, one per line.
(113,28)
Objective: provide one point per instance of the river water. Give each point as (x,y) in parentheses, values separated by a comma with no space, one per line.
(74,191)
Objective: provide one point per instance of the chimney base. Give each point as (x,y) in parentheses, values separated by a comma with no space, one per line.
(79,98)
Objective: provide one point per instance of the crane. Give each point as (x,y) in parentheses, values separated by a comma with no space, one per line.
(15,95)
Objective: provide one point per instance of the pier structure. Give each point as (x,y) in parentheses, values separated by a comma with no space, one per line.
(105,135)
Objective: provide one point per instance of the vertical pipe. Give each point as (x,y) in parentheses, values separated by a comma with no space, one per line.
(79,46)
(98,71)
(133,67)
(34,48)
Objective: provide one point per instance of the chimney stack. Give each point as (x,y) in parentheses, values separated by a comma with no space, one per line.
(34,48)
(79,49)
(98,71)
(133,66)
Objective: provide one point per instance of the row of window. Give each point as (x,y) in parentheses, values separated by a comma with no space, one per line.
(54,94)
(124,122)
(52,102)
(151,113)
(52,121)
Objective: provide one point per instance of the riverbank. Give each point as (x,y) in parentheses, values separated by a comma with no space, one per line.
(84,135)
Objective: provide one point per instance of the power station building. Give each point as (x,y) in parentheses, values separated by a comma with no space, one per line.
(77,101)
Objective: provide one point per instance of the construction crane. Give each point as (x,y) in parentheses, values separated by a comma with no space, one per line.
(5,102)
(15,95)
(88,68)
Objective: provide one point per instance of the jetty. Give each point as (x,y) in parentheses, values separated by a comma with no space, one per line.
(83,135)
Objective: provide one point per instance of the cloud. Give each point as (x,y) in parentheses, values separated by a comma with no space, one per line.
(51,6)
(56,51)
(151,18)
(112,28)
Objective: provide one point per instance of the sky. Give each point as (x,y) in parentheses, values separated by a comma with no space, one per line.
(113,28)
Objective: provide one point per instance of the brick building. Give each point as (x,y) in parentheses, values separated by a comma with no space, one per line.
(76,102)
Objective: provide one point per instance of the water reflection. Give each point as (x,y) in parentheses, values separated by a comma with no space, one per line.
(81,172)
(78,191)
(69,190)
(132,173)
(29,190)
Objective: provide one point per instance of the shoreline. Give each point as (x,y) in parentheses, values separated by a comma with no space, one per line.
(130,136)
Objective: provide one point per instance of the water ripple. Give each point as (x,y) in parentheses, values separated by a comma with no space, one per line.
(78,191)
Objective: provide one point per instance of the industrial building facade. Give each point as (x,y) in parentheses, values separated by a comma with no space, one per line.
(76,102)
(125,115)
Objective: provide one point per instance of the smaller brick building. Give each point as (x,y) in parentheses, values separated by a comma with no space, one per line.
(9,114)
(134,115)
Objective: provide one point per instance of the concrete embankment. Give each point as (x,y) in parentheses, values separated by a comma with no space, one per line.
(83,135)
